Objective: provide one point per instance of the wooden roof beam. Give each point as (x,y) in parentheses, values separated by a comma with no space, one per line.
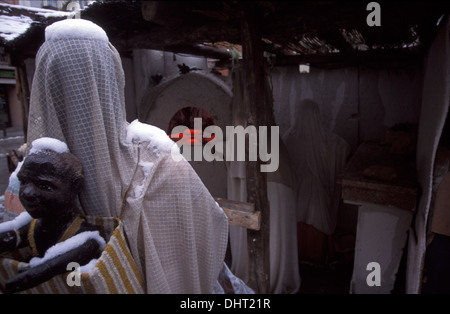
(386,57)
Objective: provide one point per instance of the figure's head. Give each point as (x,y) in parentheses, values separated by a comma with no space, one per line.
(49,183)
(78,96)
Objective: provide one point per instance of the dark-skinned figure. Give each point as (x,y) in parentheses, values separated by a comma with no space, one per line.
(50,181)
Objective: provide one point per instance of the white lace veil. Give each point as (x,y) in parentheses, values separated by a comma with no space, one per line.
(176,232)
(77,97)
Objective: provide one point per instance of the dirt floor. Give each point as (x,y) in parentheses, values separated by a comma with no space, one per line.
(333,278)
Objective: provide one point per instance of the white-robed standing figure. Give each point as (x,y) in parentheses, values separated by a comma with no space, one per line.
(176,232)
(318,156)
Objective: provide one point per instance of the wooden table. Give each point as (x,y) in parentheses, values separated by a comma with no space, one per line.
(400,192)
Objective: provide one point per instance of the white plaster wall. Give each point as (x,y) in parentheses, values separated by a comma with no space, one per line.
(147,63)
(130,97)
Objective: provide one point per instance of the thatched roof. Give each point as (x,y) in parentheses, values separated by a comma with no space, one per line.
(323,33)
(19,24)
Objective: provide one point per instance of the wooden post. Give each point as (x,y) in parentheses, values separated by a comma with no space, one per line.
(23,92)
(258,113)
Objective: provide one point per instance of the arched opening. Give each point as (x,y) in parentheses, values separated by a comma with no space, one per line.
(185,117)
(177,101)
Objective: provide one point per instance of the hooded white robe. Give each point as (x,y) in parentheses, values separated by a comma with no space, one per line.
(176,232)
(318,157)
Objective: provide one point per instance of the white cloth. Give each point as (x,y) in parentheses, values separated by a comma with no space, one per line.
(318,156)
(435,106)
(176,232)
(228,283)
(284,267)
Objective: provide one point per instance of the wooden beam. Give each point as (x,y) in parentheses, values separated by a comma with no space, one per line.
(334,37)
(161,38)
(259,113)
(200,50)
(241,214)
(388,57)
(23,92)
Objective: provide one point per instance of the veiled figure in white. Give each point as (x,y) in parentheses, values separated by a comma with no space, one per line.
(176,232)
(318,156)
(284,268)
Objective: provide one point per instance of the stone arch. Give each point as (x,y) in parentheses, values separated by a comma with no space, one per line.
(198,89)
